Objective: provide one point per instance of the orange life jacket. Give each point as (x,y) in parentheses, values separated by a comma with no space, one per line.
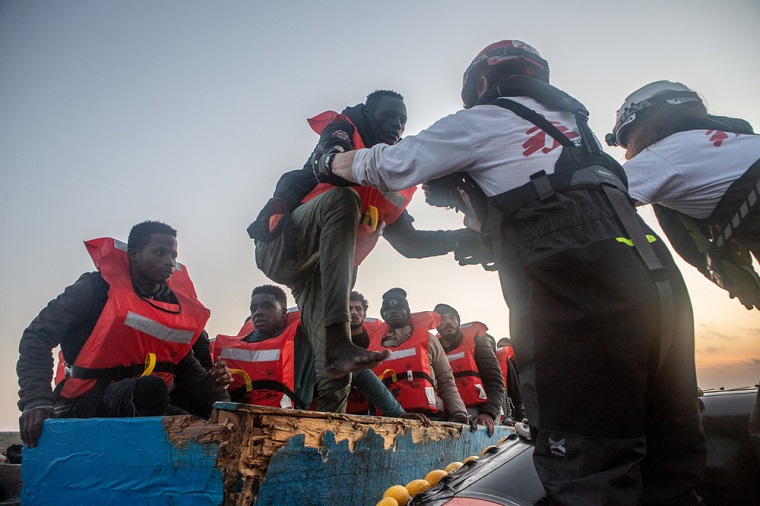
(503,355)
(357,403)
(406,372)
(462,361)
(263,372)
(377,209)
(135,336)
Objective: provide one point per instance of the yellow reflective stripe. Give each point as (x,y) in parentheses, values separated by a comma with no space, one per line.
(246,378)
(393,375)
(629,242)
(150,364)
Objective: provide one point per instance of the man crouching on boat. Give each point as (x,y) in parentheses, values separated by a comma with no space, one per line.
(126,331)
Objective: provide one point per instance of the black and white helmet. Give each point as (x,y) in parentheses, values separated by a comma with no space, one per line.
(651,94)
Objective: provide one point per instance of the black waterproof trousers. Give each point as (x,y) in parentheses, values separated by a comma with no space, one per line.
(612,401)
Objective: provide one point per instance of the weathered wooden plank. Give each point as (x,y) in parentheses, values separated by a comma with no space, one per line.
(321,458)
(245,455)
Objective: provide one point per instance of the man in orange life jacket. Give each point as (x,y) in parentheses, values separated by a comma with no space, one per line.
(294,373)
(366,387)
(291,375)
(305,222)
(106,323)
(423,378)
(476,370)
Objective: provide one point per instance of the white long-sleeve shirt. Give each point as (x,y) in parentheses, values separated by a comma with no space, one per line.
(691,171)
(499,149)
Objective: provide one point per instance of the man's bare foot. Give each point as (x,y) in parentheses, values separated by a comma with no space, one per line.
(346,358)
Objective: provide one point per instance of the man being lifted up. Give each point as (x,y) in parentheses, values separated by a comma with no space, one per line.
(311,237)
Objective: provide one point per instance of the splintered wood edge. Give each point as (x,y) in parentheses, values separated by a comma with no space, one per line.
(248,436)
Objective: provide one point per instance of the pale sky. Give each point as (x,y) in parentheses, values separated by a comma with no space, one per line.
(187,112)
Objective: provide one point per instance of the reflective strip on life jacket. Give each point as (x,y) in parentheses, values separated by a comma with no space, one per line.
(159,331)
(250,356)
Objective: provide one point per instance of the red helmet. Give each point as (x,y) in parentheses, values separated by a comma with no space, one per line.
(500,52)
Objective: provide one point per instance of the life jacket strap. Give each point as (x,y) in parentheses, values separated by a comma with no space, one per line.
(120,372)
(389,380)
(464,374)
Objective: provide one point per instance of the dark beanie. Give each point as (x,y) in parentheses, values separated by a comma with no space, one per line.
(443,309)
(394,297)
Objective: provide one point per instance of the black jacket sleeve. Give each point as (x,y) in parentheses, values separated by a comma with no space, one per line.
(490,374)
(202,351)
(293,186)
(413,243)
(67,320)
(194,378)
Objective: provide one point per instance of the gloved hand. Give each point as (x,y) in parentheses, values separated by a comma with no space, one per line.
(748,291)
(321,165)
(734,273)
(470,250)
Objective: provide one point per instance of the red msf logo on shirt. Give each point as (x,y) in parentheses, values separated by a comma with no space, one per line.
(718,136)
(538,139)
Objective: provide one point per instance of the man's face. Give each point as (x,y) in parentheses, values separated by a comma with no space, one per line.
(448,326)
(356,310)
(390,115)
(267,314)
(155,262)
(396,316)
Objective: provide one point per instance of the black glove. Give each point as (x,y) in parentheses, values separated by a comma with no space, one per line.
(321,165)
(470,250)
(731,269)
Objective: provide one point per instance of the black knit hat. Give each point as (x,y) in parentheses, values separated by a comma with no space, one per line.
(443,309)
(394,297)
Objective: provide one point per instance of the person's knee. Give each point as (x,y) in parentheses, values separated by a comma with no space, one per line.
(344,198)
(151,396)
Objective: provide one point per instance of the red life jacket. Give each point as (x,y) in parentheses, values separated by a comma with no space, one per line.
(263,372)
(503,355)
(462,361)
(377,209)
(135,336)
(358,404)
(406,372)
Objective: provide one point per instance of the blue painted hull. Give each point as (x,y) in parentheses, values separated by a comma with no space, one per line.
(245,455)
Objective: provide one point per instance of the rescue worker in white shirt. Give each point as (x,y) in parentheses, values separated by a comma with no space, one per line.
(476,370)
(305,223)
(417,372)
(112,328)
(702,173)
(600,317)
(273,363)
